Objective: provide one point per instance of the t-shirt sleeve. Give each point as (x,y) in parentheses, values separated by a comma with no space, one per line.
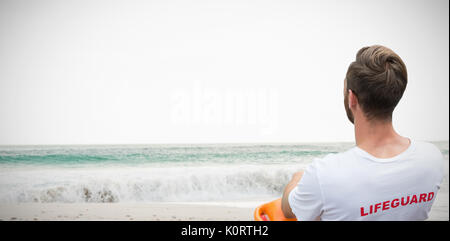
(305,199)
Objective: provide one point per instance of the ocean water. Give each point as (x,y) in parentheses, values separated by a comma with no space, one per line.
(157,173)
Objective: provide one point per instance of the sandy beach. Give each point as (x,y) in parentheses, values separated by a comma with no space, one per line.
(153,211)
(123,211)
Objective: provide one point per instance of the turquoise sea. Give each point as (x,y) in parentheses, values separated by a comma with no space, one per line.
(157,173)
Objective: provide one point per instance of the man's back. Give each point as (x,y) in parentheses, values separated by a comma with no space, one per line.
(355,185)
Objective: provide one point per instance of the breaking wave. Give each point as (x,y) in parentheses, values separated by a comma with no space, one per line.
(144,184)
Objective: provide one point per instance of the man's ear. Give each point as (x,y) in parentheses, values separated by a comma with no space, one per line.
(352,99)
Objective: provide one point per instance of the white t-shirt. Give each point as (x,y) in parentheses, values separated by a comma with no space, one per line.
(355,185)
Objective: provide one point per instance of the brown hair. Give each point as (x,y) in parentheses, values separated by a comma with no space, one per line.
(378,78)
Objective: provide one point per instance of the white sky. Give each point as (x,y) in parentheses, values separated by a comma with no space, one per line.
(123,72)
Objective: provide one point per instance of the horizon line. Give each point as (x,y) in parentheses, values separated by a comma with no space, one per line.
(196,143)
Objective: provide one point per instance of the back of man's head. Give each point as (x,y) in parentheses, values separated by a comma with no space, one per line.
(378,78)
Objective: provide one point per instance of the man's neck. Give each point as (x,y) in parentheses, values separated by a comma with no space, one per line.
(379,138)
(373,132)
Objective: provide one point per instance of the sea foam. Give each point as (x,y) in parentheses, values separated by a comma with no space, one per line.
(144,184)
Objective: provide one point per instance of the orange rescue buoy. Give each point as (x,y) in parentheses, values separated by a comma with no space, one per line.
(271,211)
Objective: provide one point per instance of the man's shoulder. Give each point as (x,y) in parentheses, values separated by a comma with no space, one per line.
(430,152)
(427,146)
(333,160)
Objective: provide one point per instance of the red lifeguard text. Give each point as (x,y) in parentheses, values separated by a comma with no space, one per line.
(403,201)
